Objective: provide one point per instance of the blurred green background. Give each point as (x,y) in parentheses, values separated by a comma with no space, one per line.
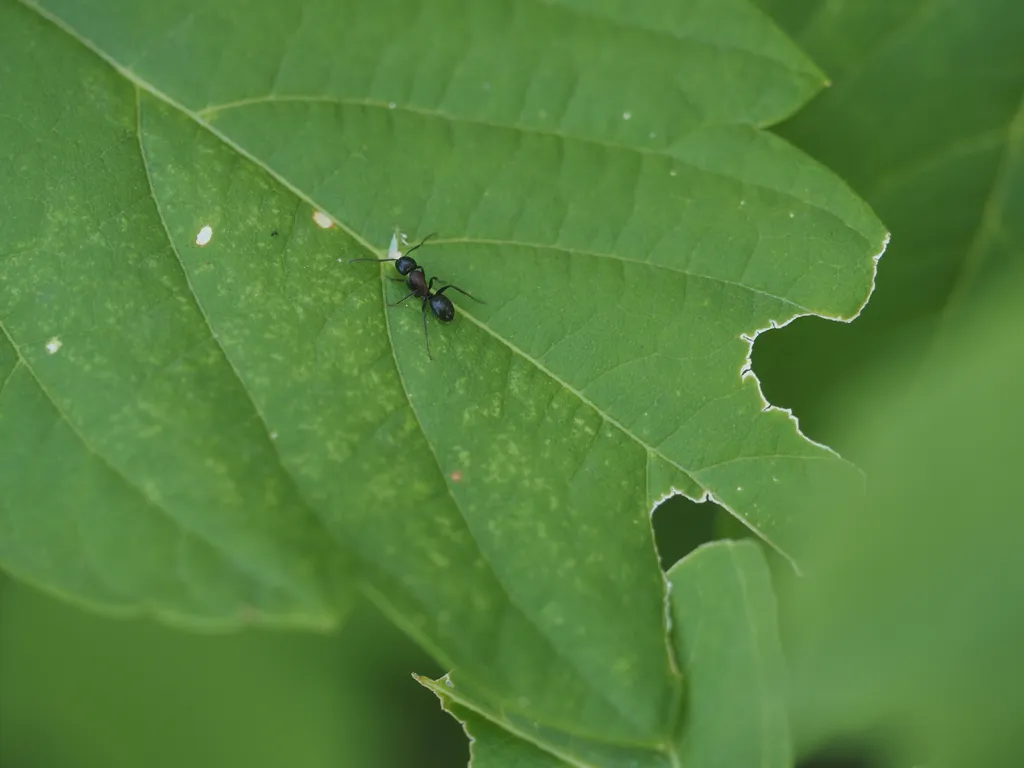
(905,648)
(79,690)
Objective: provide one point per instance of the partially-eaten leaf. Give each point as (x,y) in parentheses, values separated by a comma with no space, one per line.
(235,422)
(726,639)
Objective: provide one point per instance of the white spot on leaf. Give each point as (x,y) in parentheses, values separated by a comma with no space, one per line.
(627,115)
(391,105)
(53,345)
(204,236)
(322,220)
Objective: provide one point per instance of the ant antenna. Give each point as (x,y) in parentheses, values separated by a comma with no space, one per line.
(400,255)
(421,242)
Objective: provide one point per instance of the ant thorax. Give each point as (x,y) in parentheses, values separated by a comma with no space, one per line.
(417,281)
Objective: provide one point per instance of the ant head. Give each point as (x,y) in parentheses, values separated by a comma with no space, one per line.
(442,307)
(405,265)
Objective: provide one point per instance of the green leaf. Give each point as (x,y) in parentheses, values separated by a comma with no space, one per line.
(494,747)
(233,429)
(909,622)
(925,119)
(725,636)
(727,641)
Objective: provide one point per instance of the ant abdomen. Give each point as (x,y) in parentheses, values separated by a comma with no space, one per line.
(442,307)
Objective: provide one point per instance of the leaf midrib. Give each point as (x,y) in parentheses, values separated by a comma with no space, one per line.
(568,658)
(651,450)
(625,260)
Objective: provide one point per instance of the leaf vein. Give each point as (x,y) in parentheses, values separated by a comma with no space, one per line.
(624,259)
(312,514)
(148,501)
(208,112)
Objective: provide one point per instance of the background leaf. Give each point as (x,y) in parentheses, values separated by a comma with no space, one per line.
(925,120)
(726,638)
(284,432)
(78,690)
(920,649)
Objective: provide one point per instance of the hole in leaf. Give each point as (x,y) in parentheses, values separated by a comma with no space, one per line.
(681,525)
(802,367)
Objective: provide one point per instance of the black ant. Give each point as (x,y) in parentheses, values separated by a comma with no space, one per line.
(416,280)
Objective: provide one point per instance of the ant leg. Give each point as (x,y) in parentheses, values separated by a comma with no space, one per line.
(456,288)
(379,261)
(397,279)
(395,304)
(426,335)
